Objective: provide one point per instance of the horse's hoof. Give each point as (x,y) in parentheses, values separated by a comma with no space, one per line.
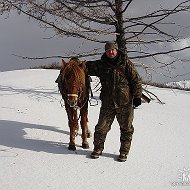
(72,147)
(89,134)
(85,145)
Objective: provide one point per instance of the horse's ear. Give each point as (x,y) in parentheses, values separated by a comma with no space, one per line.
(83,64)
(63,63)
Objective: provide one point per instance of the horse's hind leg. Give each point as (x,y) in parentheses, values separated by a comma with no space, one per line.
(84,127)
(89,134)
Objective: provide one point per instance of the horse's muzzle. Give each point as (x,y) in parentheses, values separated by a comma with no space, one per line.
(72,100)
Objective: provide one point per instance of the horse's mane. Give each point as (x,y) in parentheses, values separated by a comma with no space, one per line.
(74,66)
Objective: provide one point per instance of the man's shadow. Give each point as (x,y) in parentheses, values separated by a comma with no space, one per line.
(12,134)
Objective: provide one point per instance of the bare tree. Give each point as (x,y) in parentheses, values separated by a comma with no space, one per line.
(98,21)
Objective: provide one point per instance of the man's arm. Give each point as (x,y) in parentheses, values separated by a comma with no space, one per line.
(134,79)
(136,83)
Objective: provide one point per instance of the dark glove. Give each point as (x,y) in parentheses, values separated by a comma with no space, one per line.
(136,102)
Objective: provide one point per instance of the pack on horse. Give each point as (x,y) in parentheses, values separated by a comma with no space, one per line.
(73,83)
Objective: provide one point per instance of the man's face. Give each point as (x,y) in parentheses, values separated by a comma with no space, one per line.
(111,53)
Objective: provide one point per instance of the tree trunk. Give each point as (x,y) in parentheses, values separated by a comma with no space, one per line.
(120,37)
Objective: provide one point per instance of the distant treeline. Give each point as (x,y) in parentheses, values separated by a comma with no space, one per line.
(57,66)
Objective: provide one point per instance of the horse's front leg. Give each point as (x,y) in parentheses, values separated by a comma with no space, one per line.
(84,126)
(73,126)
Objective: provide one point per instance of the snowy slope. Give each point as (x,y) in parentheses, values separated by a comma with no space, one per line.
(34,138)
(181,84)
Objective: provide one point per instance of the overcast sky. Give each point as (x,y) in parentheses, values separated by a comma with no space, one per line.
(20,37)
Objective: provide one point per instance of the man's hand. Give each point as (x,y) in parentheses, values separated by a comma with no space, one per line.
(136,102)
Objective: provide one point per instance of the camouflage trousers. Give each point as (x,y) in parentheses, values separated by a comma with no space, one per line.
(124,117)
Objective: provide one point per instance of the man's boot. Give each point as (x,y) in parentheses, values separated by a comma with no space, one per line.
(96,153)
(122,157)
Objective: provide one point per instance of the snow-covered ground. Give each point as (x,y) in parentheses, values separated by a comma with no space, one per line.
(180,84)
(34,137)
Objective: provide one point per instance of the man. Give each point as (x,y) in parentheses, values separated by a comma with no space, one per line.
(121,91)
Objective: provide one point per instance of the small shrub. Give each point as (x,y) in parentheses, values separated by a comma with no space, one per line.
(48,66)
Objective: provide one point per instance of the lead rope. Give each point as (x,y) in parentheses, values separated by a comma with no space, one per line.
(62,105)
(92,96)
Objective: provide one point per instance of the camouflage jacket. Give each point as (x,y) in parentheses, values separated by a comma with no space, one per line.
(118,88)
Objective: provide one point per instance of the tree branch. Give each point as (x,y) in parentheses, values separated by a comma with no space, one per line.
(159,53)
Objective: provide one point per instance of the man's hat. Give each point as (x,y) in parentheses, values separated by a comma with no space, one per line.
(111,45)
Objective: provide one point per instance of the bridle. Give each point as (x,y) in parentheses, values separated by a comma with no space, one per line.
(81,90)
(75,106)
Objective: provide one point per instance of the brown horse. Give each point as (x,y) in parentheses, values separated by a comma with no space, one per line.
(73,83)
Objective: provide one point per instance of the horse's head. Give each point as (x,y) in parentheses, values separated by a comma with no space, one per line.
(74,80)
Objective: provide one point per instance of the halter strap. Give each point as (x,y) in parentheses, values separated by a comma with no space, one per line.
(75,95)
